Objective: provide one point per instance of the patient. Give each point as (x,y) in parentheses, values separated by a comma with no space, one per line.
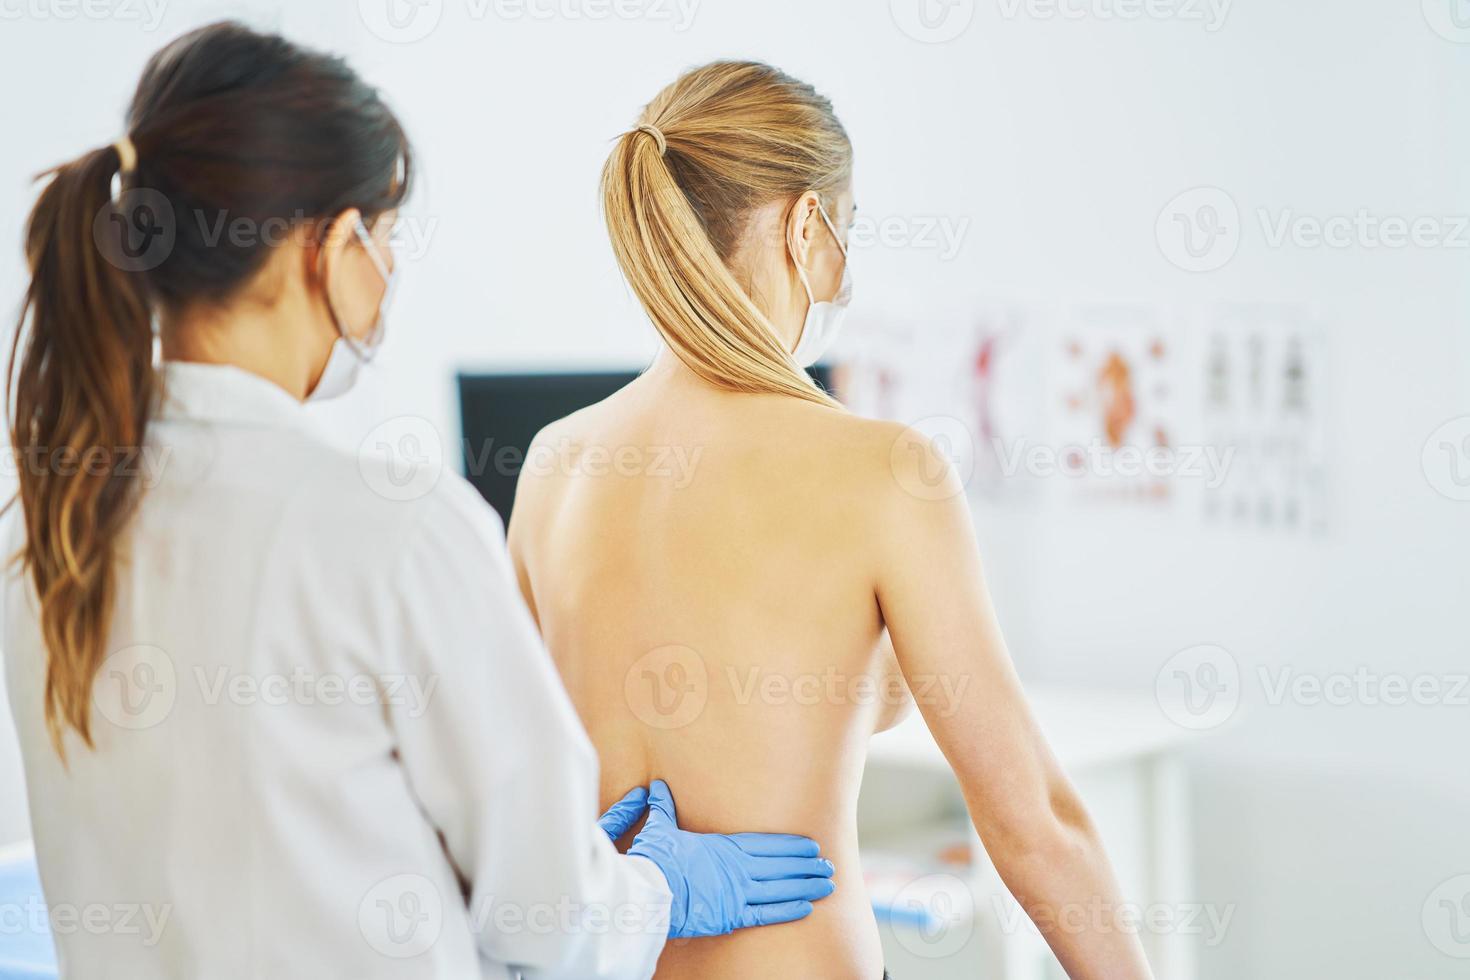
(714,553)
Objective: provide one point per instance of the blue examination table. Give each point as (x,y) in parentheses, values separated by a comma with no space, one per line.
(26,952)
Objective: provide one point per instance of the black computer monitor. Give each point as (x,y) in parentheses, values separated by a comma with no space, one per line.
(501,413)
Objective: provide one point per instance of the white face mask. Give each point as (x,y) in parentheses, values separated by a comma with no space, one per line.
(824,319)
(344,363)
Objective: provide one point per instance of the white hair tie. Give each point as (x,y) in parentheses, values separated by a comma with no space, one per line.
(127,155)
(658,137)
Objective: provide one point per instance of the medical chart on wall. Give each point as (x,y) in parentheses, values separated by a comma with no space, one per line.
(1115,405)
(1215,414)
(967,379)
(1264,378)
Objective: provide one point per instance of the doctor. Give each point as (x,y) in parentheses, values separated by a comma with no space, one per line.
(275,723)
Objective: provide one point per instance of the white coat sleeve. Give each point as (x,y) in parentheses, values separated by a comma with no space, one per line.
(502,766)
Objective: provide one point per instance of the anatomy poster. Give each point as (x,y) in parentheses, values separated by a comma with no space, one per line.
(1264,377)
(1114,404)
(966,378)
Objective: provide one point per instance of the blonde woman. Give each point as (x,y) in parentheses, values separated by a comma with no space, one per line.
(754,598)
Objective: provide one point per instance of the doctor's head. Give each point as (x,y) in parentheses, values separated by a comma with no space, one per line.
(242,218)
(728,206)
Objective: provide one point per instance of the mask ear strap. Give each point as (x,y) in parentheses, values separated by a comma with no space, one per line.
(841,245)
(371,247)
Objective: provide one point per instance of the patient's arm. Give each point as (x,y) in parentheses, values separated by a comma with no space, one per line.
(1033,824)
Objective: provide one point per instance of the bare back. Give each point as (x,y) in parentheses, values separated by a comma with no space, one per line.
(698,563)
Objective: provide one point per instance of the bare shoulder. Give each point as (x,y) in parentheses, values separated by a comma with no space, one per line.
(552,455)
(568,428)
(887,462)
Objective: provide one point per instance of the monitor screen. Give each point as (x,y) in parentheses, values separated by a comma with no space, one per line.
(501,413)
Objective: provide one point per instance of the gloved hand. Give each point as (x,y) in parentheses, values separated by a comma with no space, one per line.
(622,815)
(724,882)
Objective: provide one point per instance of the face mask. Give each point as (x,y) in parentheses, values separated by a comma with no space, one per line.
(344,363)
(824,319)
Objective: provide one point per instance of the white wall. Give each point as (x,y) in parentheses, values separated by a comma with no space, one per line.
(1059,141)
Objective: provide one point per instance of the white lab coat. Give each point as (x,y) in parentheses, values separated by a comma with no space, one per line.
(329,743)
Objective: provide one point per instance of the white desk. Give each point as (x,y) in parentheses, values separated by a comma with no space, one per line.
(1119,748)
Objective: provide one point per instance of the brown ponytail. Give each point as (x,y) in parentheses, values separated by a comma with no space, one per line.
(226,124)
(677,192)
(82,385)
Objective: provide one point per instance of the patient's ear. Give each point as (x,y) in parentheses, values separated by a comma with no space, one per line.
(803,224)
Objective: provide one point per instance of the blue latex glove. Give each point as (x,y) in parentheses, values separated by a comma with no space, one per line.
(724,882)
(622,815)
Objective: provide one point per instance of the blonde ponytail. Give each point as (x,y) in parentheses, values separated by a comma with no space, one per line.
(677,194)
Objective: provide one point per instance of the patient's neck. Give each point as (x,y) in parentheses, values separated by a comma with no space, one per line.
(669,372)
